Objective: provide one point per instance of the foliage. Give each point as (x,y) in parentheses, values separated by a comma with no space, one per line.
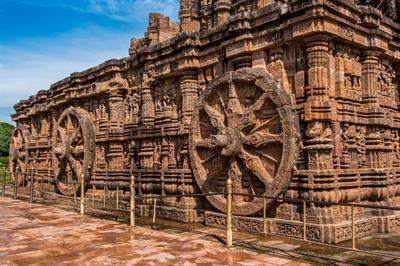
(3,161)
(5,135)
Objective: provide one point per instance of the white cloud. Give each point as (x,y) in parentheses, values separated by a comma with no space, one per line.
(37,63)
(121,10)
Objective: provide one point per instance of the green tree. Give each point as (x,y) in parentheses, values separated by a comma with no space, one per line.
(5,136)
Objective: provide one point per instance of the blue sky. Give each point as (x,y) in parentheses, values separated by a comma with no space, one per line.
(43,41)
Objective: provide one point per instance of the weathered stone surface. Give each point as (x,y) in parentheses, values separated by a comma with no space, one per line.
(294,98)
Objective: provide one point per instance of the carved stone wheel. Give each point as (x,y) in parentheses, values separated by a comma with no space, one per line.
(19,156)
(73,150)
(245,127)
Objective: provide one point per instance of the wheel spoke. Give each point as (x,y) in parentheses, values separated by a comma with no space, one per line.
(256,166)
(75,166)
(201,143)
(259,103)
(210,157)
(217,119)
(221,101)
(61,169)
(234,105)
(262,138)
(236,175)
(78,150)
(263,124)
(261,153)
(206,125)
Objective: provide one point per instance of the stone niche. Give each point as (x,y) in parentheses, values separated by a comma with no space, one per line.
(284,97)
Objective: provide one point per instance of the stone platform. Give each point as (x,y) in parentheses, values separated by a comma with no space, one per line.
(35,234)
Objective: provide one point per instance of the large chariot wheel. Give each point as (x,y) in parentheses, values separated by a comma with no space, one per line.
(19,157)
(73,150)
(244,127)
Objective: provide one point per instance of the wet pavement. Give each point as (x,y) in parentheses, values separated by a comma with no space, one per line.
(38,234)
(34,234)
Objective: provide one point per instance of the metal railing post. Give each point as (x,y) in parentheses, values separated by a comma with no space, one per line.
(41,187)
(73,183)
(15,187)
(104,198)
(82,194)
(229,234)
(304,221)
(93,196)
(353,227)
(25,177)
(117,196)
(132,203)
(265,216)
(31,187)
(154,211)
(3,181)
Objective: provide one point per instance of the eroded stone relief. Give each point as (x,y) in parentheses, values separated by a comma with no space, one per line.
(305,109)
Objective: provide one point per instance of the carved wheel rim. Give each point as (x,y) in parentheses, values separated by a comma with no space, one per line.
(19,156)
(73,150)
(244,127)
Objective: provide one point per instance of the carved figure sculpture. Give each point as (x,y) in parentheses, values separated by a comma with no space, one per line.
(73,150)
(19,153)
(244,126)
(285,102)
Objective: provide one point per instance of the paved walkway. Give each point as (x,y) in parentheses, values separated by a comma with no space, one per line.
(34,234)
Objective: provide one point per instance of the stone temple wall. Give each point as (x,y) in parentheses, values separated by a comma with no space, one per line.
(292,98)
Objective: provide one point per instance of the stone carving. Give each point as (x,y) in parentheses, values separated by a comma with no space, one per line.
(306,110)
(385,80)
(244,139)
(132,107)
(73,150)
(388,8)
(19,154)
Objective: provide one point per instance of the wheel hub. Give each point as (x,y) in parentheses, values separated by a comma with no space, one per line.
(229,140)
(245,128)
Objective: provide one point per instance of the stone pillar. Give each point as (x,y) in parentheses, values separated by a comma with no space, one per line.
(242,61)
(222,8)
(115,155)
(164,154)
(369,80)
(206,18)
(55,115)
(318,105)
(116,104)
(190,93)
(148,111)
(189,15)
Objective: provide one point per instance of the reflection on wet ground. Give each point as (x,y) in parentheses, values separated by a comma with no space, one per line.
(47,235)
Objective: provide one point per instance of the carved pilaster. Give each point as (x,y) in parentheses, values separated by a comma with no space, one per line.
(189,15)
(114,155)
(148,111)
(190,93)
(242,61)
(164,154)
(318,105)
(319,146)
(116,103)
(369,80)
(317,58)
(206,21)
(222,9)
